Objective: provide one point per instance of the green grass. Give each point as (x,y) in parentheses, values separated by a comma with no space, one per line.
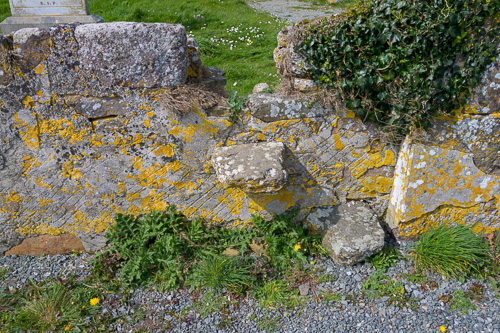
(216,25)
(451,251)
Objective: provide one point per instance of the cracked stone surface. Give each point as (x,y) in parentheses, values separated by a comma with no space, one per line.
(355,233)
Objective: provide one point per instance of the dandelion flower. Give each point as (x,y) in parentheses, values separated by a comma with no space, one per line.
(442,328)
(94,301)
(297,247)
(67,328)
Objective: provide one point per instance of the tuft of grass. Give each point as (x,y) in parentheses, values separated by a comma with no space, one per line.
(217,272)
(451,251)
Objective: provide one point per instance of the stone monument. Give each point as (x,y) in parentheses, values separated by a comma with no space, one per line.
(46,13)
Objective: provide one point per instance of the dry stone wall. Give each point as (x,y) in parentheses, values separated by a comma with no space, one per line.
(85,133)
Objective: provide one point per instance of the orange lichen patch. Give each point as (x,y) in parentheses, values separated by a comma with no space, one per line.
(338,143)
(376,185)
(371,161)
(63,128)
(98,225)
(41,183)
(447,214)
(127,141)
(9,203)
(28,164)
(69,171)
(165,150)
(29,133)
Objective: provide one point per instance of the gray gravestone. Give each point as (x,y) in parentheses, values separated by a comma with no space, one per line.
(46,13)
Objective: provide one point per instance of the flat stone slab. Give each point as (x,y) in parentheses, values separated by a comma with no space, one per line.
(15,23)
(254,167)
(355,234)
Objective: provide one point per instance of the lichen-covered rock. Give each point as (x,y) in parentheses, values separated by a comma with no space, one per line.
(270,107)
(253,167)
(485,98)
(433,184)
(195,66)
(138,55)
(355,233)
(260,87)
(289,61)
(6,72)
(304,84)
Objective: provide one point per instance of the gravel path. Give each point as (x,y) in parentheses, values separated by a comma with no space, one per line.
(353,313)
(293,10)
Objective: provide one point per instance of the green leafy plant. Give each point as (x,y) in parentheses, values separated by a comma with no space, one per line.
(401,63)
(379,285)
(171,251)
(464,300)
(451,251)
(235,104)
(386,258)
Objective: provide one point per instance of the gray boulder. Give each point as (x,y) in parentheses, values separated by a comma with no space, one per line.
(356,234)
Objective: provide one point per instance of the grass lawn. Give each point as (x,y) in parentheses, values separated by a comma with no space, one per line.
(231,35)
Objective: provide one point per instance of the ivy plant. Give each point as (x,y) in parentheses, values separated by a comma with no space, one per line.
(401,63)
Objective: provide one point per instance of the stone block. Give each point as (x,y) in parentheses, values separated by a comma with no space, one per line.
(354,234)
(14,23)
(271,107)
(47,244)
(252,167)
(443,182)
(135,55)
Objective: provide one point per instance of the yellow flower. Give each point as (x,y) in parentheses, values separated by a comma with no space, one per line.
(249,40)
(312,262)
(67,328)
(297,247)
(94,301)
(83,307)
(442,328)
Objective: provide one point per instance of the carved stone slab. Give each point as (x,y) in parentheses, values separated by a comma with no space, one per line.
(48,7)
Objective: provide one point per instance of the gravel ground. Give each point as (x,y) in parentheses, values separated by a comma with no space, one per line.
(162,312)
(293,10)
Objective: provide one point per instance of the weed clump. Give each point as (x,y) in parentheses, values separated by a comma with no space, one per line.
(167,249)
(451,251)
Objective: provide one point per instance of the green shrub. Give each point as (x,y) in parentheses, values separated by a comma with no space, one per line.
(451,251)
(400,63)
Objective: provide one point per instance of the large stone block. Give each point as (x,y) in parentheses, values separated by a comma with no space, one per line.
(137,55)
(355,233)
(254,167)
(434,184)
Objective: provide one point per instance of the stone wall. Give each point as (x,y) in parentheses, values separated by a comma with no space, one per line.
(449,174)
(86,133)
